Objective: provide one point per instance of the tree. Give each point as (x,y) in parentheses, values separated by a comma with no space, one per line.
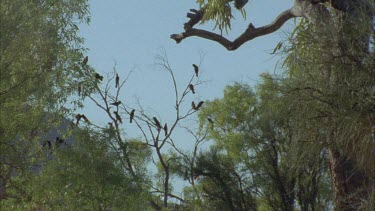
(330,58)
(82,175)
(269,164)
(41,69)
(156,133)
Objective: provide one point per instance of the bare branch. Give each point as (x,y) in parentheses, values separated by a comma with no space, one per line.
(250,33)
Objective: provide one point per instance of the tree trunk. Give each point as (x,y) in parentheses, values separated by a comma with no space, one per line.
(350,185)
(166,187)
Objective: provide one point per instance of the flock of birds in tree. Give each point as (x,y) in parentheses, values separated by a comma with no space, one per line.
(118,118)
(158,125)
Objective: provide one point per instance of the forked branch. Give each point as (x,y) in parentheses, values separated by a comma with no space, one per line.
(250,33)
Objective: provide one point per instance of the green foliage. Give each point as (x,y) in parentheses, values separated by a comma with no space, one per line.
(331,84)
(41,69)
(252,130)
(82,176)
(139,153)
(220,11)
(223,183)
(234,113)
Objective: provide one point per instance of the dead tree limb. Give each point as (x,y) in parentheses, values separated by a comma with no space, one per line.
(301,8)
(250,33)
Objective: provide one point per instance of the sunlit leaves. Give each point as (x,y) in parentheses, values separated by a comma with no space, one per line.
(219,11)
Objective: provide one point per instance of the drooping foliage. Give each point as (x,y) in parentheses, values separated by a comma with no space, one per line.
(41,69)
(80,175)
(256,161)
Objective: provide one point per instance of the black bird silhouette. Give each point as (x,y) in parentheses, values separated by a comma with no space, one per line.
(117,80)
(157,123)
(85,118)
(85,60)
(193,105)
(49,144)
(196,69)
(191,87)
(59,140)
(118,117)
(98,77)
(117,103)
(239,4)
(132,115)
(78,118)
(111,126)
(79,89)
(165,129)
(199,105)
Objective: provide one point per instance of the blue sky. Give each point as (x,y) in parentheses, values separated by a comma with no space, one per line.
(132,33)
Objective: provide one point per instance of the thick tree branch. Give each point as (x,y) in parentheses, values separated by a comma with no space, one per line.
(250,33)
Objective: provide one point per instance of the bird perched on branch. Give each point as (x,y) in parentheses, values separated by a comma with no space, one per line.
(81,116)
(59,140)
(157,123)
(199,105)
(193,105)
(111,126)
(85,60)
(117,80)
(239,4)
(118,117)
(79,89)
(49,144)
(191,87)
(78,118)
(98,77)
(117,103)
(132,115)
(85,118)
(165,129)
(196,69)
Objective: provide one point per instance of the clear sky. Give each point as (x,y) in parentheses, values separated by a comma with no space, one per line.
(131,33)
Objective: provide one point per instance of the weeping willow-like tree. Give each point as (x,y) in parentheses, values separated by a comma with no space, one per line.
(82,175)
(40,69)
(328,81)
(258,161)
